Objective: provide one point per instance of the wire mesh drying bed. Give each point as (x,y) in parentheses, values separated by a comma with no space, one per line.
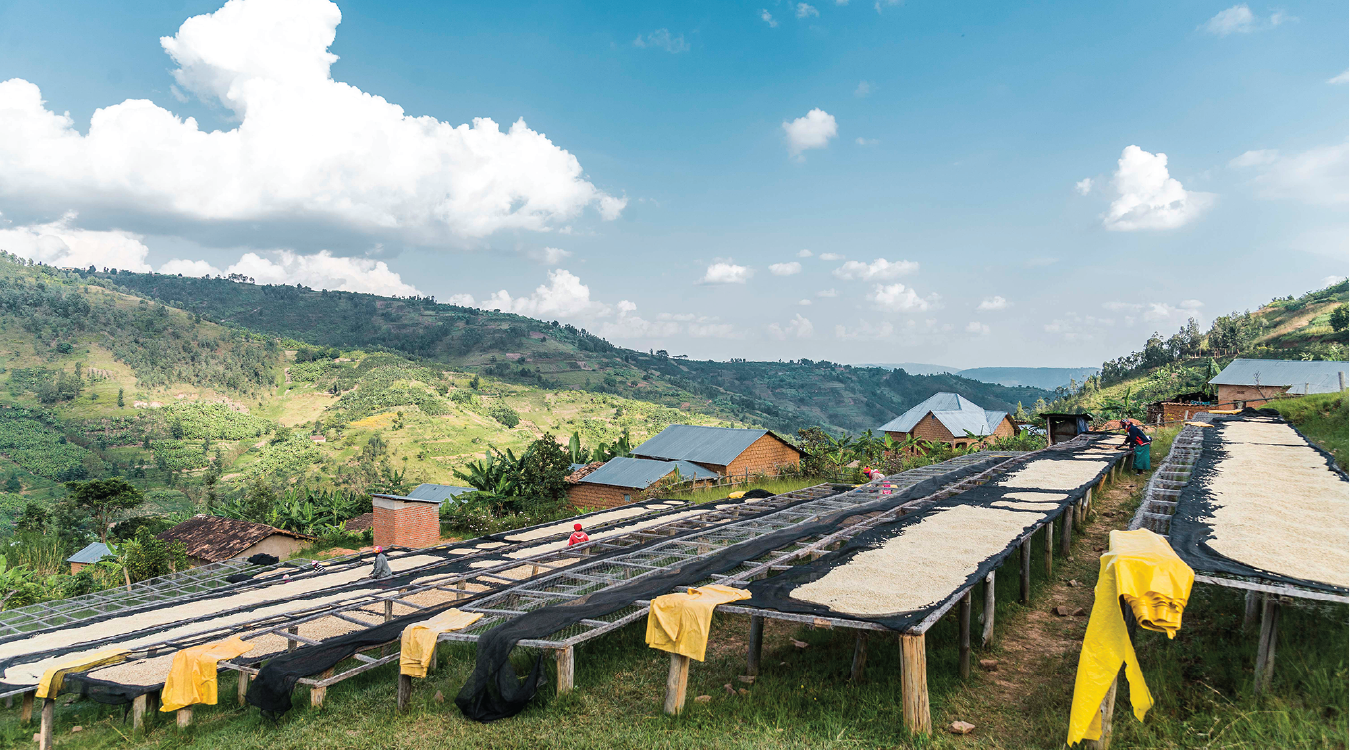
(1291,490)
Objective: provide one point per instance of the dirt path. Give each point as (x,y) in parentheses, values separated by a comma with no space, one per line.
(1037,650)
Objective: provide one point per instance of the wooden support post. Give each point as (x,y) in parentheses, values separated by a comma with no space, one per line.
(677,682)
(1087,505)
(756,645)
(1049,548)
(317,693)
(963,622)
(859,656)
(9,701)
(1265,650)
(1105,711)
(404,692)
(1253,606)
(26,707)
(290,644)
(138,711)
(242,688)
(987,634)
(388,610)
(48,723)
(1066,531)
(184,717)
(1025,559)
(564,658)
(914,684)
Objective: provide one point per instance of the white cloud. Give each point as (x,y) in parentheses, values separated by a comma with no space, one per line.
(867,141)
(1148,198)
(1083,186)
(831,256)
(887,3)
(1239,19)
(804,302)
(806,11)
(196,268)
(989,304)
(306,147)
(865,88)
(767,17)
(1074,327)
(323,270)
(1330,280)
(814,130)
(59,243)
(799,328)
(1122,306)
(1344,77)
(630,326)
(726,273)
(876,270)
(803,253)
(563,297)
(1162,312)
(1315,176)
(785,269)
(895,297)
(463,300)
(550,256)
(662,39)
(866,331)
(827,293)
(714,331)
(977,328)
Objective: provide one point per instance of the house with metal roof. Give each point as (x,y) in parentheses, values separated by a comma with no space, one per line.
(622,480)
(91,554)
(1253,382)
(725,450)
(950,418)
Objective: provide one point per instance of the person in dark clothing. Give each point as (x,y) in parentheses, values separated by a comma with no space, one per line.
(1136,439)
(381,569)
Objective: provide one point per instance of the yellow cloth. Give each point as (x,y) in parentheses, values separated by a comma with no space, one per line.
(1142,568)
(737,495)
(679,623)
(50,684)
(419,639)
(192,676)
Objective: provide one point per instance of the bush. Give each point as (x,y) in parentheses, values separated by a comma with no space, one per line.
(504,414)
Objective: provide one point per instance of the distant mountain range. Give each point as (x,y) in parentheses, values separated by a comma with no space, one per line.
(1048,378)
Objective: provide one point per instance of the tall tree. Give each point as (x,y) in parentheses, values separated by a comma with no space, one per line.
(104,499)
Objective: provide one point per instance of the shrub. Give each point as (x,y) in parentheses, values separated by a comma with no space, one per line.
(504,414)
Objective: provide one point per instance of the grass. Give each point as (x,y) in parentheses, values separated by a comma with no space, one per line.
(1322,417)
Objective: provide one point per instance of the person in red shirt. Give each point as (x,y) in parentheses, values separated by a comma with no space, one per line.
(578,536)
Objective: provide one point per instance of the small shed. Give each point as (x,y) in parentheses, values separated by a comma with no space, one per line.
(211,539)
(620,479)
(950,418)
(1254,382)
(1062,428)
(725,450)
(91,554)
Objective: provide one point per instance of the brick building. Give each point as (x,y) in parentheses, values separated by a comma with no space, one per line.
(91,554)
(1253,382)
(622,480)
(950,418)
(727,451)
(412,520)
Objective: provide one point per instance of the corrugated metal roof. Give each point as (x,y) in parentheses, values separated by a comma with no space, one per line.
(641,473)
(92,553)
(993,418)
(958,423)
(938,402)
(706,445)
(438,492)
(1302,377)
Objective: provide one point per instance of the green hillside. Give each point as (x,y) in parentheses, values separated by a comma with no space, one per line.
(783,396)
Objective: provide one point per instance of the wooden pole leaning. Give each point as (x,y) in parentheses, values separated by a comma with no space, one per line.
(756,648)
(914,684)
(987,634)
(677,682)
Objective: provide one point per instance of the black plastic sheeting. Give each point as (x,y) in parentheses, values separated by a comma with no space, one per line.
(1190,529)
(774,593)
(494,690)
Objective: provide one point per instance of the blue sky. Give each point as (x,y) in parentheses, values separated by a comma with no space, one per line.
(974,184)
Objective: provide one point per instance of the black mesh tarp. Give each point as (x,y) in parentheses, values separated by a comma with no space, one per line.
(774,593)
(1191,530)
(494,690)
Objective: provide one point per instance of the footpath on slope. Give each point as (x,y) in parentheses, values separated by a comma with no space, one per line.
(1036,649)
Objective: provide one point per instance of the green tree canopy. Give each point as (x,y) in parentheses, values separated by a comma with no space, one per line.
(104,499)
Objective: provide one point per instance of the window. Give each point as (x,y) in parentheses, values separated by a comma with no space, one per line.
(628,498)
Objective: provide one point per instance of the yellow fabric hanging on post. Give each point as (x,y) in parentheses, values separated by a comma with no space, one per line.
(192,676)
(1142,568)
(419,639)
(679,623)
(52,680)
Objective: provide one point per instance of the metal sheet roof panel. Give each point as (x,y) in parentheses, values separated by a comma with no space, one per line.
(641,473)
(706,445)
(938,402)
(92,553)
(1301,377)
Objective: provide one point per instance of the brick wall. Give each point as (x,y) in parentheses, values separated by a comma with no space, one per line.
(592,496)
(929,428)
(1252,395)
(1177,412)
(764,456)
(407,524)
